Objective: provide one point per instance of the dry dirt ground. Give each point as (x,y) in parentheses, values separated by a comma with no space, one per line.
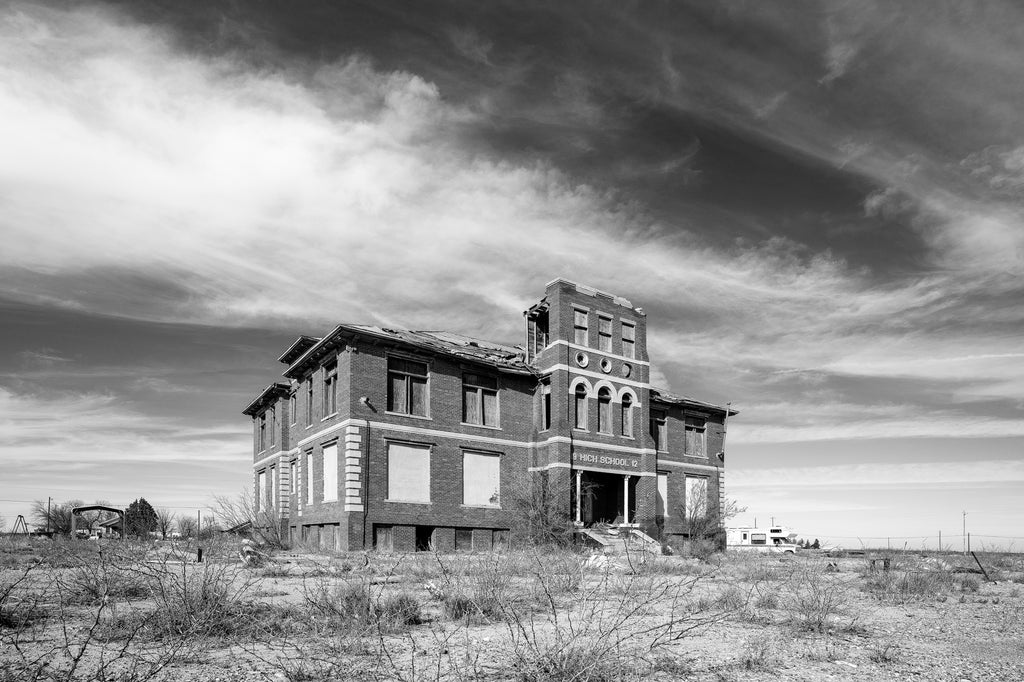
(116,611)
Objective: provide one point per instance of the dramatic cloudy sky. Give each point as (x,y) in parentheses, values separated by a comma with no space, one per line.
(819,205)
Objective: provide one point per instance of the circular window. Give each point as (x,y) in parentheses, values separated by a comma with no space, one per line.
(582,360)
(606,365)
(625,370)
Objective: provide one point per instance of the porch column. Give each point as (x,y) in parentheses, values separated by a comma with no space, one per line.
(579,498)
(625,499)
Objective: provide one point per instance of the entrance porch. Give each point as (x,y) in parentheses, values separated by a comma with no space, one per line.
(604,498)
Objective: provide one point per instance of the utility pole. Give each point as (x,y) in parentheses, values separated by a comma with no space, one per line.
(965,532)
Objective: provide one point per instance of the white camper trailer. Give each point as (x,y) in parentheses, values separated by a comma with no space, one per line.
(774,539)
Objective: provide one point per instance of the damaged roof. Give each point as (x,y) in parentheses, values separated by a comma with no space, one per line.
(498,355)
(663,396)
(266,396)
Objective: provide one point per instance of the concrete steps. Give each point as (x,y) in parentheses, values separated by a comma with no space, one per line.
(618,540)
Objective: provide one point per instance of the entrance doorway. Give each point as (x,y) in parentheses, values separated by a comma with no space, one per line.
(604,498)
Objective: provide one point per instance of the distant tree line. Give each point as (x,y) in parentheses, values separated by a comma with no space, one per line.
(141,520)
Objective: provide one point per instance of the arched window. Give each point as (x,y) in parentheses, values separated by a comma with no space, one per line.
(604,410)
(581,407)
(627,416)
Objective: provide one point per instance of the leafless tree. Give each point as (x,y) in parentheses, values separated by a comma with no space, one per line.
(187,526)
(235,512)
(165,522)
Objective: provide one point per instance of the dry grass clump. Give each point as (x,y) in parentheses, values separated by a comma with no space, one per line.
(912,584)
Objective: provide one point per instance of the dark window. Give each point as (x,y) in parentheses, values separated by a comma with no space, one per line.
(263,432)
(273,425)
(309,401)
(581,406)
(659,429)
(330,388)
(407,386)
(628,340)
(604,334)
(694,440)
(463,539)
(545,407)
(479,399)
(627,415)
(580,327)
(604,411)
(424,538)
(538,332)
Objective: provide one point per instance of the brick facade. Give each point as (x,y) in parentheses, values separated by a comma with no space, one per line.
(575,408)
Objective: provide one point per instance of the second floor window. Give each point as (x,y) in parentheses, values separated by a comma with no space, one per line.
(479,399)
(273,425)
(407,387)
(293,407)
(659,430)
(580,400)
(628,340)
(262,438)
(545,406)
(309,401)
(604,411)
(627,416)
(330,388)
(580,327)
(604,334)
(694,439)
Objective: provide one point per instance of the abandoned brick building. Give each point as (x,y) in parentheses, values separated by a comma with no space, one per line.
(405,440)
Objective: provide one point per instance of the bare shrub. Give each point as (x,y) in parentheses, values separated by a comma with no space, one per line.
(813,597)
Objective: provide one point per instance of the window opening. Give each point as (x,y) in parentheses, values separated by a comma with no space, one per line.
(581,407)
(628,340)
(479,399)
(604,334)
(604,410)
(580,327)
(407,387)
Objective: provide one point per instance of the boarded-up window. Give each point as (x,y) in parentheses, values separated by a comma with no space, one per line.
(331,473)
(580,327)
(407,386)
(479,399)
(694,444)
(261,490)
(408,472)
(293,483)
(662,501)
(274,487)
(581,407)
(309,478)
(659,429)
(604,334)
(604,411)
(481,479)
(628,340)
(696,497)
(627,416)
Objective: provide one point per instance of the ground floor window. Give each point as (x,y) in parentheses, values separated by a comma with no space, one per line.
(662,500)
(463,539)
(481,479)
(408,472)
(696,498)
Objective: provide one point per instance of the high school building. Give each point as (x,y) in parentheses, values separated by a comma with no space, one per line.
(403,440)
